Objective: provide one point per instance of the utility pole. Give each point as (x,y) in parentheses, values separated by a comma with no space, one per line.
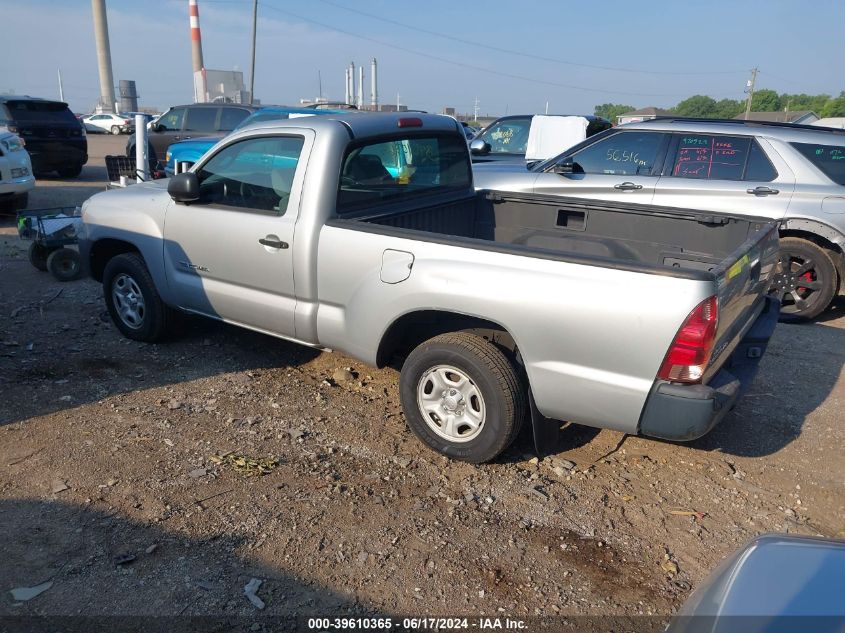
(252,70)
(319,86)
(749,88)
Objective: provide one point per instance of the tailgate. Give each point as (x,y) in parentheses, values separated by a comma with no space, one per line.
(742,282)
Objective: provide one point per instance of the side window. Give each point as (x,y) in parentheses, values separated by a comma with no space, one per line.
(759,166)
(255,174)
(711,157)
(508,137)
(829,159)
(172,121)
(201,119)
(624,154)
(231,118)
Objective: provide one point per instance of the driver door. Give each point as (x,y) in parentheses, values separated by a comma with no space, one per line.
(230,254)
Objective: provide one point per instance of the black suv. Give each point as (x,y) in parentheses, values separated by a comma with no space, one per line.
(180,123)
(55,139)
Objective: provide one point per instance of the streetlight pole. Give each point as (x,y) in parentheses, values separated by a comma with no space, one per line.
(252,69)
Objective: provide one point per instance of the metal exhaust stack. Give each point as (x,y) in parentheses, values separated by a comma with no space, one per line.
(374,88)
(196,52)
(101,38)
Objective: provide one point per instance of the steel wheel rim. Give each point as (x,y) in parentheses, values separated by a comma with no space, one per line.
(797,279)
(128,301)
(451,403)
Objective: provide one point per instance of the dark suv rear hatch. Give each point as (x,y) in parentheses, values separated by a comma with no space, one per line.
(55,139)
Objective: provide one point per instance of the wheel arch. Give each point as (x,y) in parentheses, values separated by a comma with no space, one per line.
(105,249)
(412,328)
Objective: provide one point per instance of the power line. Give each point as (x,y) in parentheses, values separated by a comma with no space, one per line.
(528,55)
(463,64)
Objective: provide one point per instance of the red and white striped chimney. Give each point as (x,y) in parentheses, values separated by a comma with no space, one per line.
(196,51)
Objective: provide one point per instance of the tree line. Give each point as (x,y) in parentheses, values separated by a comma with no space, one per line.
(763,101)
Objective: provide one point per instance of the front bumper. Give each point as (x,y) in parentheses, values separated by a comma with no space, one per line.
(17,186)
(686,412)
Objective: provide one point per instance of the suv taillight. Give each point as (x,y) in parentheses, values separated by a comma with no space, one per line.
(690,350)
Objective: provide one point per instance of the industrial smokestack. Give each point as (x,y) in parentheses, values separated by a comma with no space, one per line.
(101,37)
(360,103)
(353,97)
(346,84)
(374,88)
(196,52)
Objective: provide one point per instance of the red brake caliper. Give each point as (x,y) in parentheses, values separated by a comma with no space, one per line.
(807,276)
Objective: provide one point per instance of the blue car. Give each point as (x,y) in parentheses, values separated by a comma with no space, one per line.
(191,151)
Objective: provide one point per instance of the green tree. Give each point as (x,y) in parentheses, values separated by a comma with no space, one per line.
(612,110)
(696,106)
(802,101)
(728,108)
(834,107)
(766,101)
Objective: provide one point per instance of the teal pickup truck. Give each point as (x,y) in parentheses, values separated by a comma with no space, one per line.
(190,151)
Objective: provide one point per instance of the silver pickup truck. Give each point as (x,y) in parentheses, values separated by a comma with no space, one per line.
(364,234)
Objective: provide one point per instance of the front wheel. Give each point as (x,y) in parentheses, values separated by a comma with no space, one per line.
(805,279)
(462,397)
(133,301)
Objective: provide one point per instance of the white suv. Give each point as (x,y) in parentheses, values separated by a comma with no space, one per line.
(792,173)
(16,179)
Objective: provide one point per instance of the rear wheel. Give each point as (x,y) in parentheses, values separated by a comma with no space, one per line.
(462,397)
(805,279)
(64,264)
(133,300)
(38,255)
(115,130)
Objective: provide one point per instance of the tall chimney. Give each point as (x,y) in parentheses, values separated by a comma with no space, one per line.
(360,103)
(346,84)
(374,88)
(101,37)
(353,99)
(196,51)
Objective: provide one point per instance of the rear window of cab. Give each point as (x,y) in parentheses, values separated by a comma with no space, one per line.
(402,168)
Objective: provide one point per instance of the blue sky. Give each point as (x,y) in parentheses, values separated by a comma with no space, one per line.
(685,47)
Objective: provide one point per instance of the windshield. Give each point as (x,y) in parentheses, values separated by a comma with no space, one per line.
(509,136)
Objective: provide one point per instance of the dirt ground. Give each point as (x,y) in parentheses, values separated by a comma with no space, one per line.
(120,480)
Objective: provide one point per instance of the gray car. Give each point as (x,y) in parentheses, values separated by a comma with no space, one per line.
(791,173)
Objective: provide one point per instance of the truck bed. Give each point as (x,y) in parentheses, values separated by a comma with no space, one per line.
(609,234)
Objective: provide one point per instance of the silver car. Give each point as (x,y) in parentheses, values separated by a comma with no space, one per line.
(792,173)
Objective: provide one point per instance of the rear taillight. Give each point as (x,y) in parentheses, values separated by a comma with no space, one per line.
(690,351)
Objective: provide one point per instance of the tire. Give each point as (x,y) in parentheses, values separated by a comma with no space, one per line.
(38,256)
(805,279)
(115,130)
(64,264)
(489,394)
(20,201)
(128,283)
(70,172)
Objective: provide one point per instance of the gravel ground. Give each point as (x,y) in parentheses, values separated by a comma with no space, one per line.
(130,475)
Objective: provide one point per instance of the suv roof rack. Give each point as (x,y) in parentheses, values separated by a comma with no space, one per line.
(750,122)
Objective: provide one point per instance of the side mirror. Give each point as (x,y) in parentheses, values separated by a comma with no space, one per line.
(479,147)
(156,127)
(184,188)
(566,166)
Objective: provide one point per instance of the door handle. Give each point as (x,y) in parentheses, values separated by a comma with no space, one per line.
(763,191)
(627,186)
(273,243)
